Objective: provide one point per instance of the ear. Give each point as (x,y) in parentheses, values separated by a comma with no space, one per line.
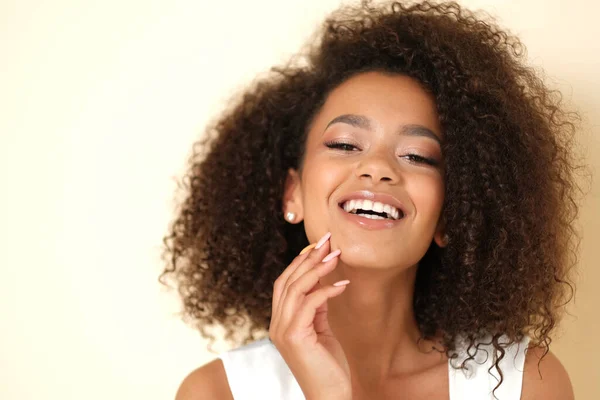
(292,196)
(440,233)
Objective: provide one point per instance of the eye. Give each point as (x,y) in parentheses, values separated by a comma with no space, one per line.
(340,145)
(348,147)
(421,160)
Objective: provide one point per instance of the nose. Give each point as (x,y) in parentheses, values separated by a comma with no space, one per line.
(379,166)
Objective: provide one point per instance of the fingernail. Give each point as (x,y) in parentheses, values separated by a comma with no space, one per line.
(331,255)
(341,283)
(307,248)
(322,241)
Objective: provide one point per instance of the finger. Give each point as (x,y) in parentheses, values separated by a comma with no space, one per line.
(307,248)
(298,290)
(318,247)
(315,257)
(306,318)
(283,280)
(279,286)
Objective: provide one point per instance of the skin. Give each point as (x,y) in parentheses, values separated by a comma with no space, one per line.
(373,317)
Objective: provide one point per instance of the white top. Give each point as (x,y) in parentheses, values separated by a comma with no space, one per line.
(258,371)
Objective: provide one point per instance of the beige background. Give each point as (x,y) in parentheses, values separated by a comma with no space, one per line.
(99,104)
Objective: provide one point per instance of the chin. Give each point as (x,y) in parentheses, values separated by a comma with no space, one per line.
(362,259)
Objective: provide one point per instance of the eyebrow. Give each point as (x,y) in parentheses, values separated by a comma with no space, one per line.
(363,122)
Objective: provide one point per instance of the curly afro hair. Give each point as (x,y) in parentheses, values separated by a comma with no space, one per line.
(510,201)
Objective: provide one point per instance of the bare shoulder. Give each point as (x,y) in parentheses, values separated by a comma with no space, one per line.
(208,382)
(554,382)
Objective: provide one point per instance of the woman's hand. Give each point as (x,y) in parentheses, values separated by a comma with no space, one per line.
(299,327)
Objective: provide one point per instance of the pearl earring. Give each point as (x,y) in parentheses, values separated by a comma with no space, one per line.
(290,216)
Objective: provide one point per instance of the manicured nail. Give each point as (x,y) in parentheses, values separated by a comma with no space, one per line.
(322,241)
(307,248)
(332,254)
(341,283)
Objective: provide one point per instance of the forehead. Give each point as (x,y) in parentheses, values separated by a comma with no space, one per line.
(385,98)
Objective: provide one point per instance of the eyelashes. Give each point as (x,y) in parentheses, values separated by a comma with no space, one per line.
(347,147)
(340,145)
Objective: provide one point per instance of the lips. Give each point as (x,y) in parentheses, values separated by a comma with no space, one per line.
(380,197)
(374,225)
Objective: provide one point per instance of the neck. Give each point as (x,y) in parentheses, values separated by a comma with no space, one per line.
(374,321)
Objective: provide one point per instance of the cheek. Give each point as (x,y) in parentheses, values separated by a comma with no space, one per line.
(319,183)
(427,193)
(322,178)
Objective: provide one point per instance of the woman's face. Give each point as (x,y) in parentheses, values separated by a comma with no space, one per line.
(383,125)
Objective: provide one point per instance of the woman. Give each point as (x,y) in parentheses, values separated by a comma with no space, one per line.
(433,174)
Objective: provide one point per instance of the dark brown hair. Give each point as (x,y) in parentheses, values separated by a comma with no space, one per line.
(510,201)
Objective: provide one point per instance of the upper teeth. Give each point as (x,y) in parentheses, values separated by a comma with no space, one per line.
(353,205)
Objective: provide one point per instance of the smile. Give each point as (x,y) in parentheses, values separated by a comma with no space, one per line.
(372,209)
(370,219)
